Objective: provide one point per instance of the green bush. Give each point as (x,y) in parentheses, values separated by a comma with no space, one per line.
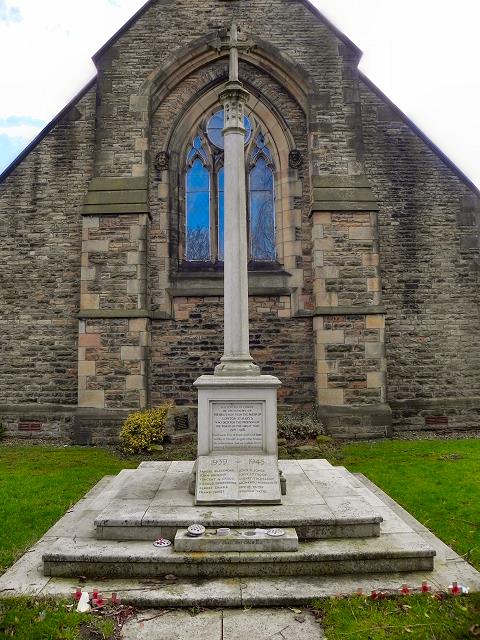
(299,425)
(142,430)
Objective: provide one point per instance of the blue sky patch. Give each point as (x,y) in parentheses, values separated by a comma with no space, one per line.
(8,13)
(9,149)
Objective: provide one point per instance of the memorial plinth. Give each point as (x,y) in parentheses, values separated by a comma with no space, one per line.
(237,414)
(237,440)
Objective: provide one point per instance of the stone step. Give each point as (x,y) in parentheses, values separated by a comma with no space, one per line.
(250,592)
(243,540)
(321,502)
(396,552)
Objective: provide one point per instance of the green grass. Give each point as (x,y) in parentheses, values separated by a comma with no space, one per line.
(418,617)
(49,619)
(437,481)
(39,484)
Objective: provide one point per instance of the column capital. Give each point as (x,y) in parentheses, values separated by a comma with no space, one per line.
(233,92)
(233,98)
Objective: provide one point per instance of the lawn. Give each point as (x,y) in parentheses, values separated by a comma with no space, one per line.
(39,484)
(419,617)
(437,481)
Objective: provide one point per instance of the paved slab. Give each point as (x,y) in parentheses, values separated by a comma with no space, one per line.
(261,624)
(174,625)
(270,624)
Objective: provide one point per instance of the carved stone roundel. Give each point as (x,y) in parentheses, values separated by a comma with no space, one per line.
(161,161)
(295,159)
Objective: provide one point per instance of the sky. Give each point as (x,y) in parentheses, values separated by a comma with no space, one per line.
(422,53)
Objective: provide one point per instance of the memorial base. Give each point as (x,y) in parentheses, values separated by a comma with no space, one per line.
(237,414)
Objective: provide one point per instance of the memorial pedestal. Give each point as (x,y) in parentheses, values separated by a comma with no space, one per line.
(237,414)
(237,440)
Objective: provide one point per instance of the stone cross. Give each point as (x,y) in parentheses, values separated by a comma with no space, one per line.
(233,46)
(236,359)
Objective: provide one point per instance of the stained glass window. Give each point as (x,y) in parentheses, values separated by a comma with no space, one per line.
(262,212)
(197,205)
(215,129)
(221,212)
(204,195)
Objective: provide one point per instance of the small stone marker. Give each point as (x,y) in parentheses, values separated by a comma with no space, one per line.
(229,479)
(236,540)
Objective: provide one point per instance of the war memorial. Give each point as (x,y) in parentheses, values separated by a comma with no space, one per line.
(236,526)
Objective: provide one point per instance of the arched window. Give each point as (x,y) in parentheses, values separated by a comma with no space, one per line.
(197,204)
(261,203)
(204,194)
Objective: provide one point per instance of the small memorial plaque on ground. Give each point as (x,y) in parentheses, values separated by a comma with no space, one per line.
(232,479)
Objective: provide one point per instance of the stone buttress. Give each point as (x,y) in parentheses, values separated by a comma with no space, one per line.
(113,347)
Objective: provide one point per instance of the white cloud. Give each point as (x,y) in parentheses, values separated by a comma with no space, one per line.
(62,36)
(24,131)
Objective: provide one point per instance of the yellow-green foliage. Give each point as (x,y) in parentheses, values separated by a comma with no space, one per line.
(142,429)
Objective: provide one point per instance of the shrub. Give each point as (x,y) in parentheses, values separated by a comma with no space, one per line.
(143,429)
(299,425)
(3,431)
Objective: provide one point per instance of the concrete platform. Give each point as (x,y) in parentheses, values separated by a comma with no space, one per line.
(321,499)
(322,502)
(26,576)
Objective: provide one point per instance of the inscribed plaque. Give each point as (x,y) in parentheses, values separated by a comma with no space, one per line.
(247,479)
(237,425)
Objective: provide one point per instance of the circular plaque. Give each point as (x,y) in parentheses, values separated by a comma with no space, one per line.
(295,159)
(196,530)
(275,533)
(223,531)
(162,542)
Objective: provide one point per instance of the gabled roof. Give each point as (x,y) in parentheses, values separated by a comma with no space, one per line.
(46,130)
(341,36)
(418,132)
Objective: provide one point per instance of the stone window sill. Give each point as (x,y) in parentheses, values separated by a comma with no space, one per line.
(199,282)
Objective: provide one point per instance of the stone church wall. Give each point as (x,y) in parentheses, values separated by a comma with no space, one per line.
(429,246)
(193,344)
(147,45)
(376,300)
(40,230)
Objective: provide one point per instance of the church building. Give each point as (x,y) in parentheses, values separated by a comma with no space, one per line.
(363,237)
